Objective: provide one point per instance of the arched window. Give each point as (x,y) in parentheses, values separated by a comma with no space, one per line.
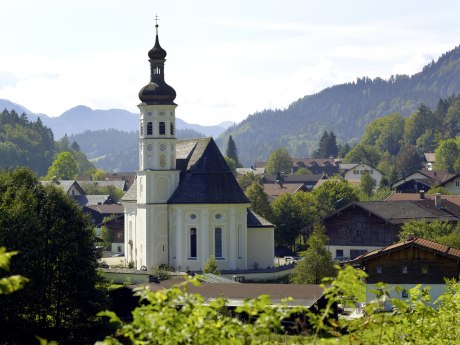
(149,128)
(218,252)
(171,128)
(162,128)
(193,243)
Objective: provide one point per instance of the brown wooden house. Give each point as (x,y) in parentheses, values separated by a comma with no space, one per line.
(411,262)
(361,227)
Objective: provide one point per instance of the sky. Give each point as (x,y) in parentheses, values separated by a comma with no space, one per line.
(226,59)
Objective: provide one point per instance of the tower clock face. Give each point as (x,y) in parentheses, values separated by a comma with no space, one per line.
(149,147)
(162,147)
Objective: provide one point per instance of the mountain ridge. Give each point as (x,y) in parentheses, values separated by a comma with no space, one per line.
(344,109)
(70,122)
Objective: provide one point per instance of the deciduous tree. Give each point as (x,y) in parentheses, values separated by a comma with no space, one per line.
(279,162)
(64,167)
(56,252)
(316,262)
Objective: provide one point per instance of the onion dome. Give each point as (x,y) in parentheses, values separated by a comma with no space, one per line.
(157,91)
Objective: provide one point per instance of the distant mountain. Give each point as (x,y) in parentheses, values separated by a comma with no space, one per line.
(8,105)
(81,118)
(344,109)
(209,131)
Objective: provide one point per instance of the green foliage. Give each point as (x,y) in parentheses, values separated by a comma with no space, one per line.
(259,200)
(292,214)
(437,231)
(385,133)
(11,283)
(231,164)
(210,266)
(279,162)
(407,161)
(174,316)
(98,175)
(367,183)
(316,262)
(232,151)
(64,167)
(447,155)
(247,179)
(303,171)
(106,236)
(362,153)
(438,189)
(25,143)
(327,146)
(334,194)
(94,189)
(382,193)
(56,252)
(162,272)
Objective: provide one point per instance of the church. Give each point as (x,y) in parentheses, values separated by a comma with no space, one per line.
(186,205)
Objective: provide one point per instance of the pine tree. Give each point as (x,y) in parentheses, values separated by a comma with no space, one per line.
(232,151)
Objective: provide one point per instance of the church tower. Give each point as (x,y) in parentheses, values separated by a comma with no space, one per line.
(157,177)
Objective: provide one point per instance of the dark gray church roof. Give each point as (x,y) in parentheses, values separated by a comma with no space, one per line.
(205,176)
(256,221)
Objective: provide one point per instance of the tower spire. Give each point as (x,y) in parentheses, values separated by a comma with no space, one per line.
(157,91)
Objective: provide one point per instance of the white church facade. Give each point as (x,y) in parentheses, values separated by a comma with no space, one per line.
(186,204)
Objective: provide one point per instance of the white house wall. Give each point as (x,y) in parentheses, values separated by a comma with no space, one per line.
(261,247)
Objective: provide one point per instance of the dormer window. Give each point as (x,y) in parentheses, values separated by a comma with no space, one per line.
(162,128)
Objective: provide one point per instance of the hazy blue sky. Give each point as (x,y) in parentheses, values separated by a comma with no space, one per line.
(226,59)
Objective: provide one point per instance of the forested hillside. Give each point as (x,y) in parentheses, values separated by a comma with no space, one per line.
(344,109)
(116,150)
(25,143)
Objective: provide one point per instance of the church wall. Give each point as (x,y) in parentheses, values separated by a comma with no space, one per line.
(204,219)
(261,252)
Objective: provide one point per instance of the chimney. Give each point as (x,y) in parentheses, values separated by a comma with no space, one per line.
(422,194)
(437,200)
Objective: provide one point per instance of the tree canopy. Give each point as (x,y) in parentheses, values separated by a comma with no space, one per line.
(55,245)
(232,151)
(64,167)
(279,162)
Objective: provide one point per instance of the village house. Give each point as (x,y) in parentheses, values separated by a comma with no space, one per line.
(353,172)
(408,263)
(327,166)
(424,180)
(290,184)
(361,227)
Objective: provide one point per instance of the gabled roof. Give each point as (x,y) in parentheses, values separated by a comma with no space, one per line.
(350,166)
(119,184)
(455,199)
(399,212)
(301,294)
(205,177)
(106,209)
(65,185)
(275,190)
(86,200)
(310,179)
(419,242)
(256,221)
(429,157)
